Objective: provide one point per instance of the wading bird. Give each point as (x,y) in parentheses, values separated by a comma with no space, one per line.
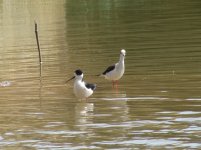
(116,71)
(82,90)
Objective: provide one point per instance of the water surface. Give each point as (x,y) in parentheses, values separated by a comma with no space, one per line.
(158,103)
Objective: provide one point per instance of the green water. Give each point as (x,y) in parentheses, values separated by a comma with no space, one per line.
(158,103)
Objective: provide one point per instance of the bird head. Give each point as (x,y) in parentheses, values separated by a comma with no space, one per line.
(78,74)
(123,52)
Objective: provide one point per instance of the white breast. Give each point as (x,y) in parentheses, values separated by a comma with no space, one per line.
(117,73)
(81,91)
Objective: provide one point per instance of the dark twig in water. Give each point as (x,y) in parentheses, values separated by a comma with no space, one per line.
(39,53)
(36,32)
(40,61)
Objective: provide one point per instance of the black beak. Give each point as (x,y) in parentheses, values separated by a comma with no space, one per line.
(70,79)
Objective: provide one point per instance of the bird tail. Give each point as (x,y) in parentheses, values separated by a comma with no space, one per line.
(100,75)
(97,75)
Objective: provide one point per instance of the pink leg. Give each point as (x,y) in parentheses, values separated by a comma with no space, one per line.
(116,84)
(113,82)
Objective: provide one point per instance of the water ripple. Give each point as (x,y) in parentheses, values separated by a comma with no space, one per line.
(147,142)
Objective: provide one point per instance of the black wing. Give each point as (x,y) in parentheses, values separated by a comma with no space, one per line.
(90,86)
(110,68)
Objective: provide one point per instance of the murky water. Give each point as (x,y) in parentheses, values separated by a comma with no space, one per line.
(158,104)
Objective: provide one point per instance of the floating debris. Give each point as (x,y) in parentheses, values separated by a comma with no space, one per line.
(5,83)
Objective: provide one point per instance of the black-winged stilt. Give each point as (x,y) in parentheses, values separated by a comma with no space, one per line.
(116,71)
(82,90)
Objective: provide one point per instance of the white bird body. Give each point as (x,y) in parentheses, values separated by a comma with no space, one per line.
(115,72)
(80,90)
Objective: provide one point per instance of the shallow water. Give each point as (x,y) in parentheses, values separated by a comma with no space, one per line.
(158,103)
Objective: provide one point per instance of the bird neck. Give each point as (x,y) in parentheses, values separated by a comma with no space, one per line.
(78,79)
(121,59)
